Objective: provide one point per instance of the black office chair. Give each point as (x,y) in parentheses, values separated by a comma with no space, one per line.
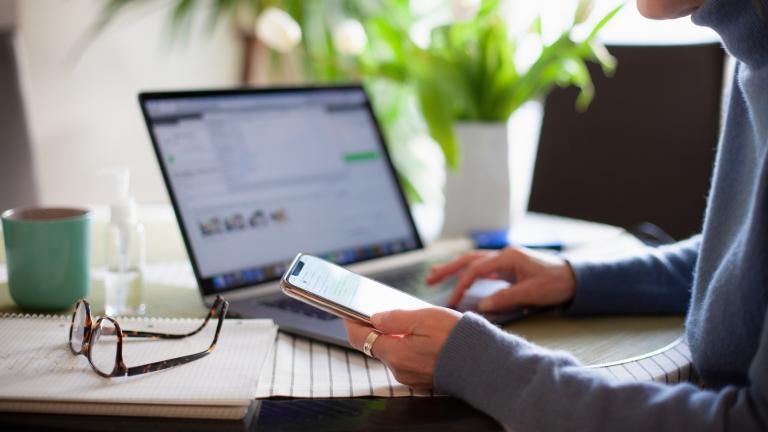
(17,179)
(643,152)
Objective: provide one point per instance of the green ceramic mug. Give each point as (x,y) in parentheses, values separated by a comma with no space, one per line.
(47,251)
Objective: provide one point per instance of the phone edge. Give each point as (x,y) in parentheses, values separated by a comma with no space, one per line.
(313,300)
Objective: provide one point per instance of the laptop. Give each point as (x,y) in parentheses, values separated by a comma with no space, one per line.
(257,175)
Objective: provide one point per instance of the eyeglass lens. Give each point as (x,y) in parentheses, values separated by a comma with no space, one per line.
(104,346)
(78,328)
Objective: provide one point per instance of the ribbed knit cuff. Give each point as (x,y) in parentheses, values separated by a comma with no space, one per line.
(589,292)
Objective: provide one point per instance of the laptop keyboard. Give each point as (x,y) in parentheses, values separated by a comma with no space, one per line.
(411,280)
(295,306)
(407,279)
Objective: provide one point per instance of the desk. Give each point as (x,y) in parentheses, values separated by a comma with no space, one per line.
(623,346)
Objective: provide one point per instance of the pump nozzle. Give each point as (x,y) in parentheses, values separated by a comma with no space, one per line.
(123,206)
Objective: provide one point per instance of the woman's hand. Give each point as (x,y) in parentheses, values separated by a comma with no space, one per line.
(409,342)
(536,279)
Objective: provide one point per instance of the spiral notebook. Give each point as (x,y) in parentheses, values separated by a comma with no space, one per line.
(39,373)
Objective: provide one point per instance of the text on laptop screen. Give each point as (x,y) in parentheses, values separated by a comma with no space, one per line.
(260,176)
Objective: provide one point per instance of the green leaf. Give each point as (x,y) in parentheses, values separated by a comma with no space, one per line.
(537,27)
(437,115)
(388,35)
(108,13)
(182,12)
(412,193)
(580,77)
(598,52)
(599,26)
(390,70)
(488,7)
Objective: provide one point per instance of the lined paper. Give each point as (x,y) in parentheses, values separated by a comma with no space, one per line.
(304,368)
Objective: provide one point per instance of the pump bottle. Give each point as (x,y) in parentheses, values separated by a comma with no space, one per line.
(125,252)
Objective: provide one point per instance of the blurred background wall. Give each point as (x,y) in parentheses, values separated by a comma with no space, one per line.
(82,106)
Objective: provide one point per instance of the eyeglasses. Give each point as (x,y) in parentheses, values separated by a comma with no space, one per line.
(101,341)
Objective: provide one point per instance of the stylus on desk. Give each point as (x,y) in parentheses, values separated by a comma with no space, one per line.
(499,239)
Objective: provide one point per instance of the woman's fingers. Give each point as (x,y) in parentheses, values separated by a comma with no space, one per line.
(477,269)
(398,321)
(385,346)
(408,341)
(356,333)
(523,293)
(549,281)
(442,271)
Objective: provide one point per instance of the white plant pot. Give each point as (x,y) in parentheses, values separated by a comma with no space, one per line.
(492,186)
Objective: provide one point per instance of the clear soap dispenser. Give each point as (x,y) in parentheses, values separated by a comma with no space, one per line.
(125,252)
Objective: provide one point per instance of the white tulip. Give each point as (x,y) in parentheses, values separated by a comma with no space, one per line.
(464,10)
(349,37)
(583,11)
(278,30)
(529,49)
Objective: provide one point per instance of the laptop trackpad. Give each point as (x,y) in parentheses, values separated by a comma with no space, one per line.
(479,290)
(485,287)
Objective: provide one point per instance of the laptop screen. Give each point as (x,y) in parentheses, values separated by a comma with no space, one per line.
(256,176)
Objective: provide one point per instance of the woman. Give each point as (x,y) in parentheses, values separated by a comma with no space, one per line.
(720,278)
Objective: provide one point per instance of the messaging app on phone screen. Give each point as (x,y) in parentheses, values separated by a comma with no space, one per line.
(353,291)
(330,282)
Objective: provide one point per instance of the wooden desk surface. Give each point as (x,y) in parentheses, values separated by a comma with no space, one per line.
(599,340)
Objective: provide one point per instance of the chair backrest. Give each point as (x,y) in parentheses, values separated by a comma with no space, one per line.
(644,150)
(17,178)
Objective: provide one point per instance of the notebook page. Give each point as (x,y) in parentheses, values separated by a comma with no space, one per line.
(36,363)
(300,367)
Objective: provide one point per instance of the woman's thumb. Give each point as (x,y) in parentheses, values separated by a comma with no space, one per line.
(396,322)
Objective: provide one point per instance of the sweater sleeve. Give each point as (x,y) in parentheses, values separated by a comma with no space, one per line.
(658,281)
(529,388)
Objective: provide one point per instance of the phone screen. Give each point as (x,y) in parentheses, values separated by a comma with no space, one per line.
(348,289)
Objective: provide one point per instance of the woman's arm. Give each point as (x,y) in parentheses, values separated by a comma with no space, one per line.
(529,388)
(659,281)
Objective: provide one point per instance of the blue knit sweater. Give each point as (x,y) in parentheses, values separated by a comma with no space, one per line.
(720,278)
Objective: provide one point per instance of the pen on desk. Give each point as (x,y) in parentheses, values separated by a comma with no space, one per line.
(499,239)
(554,246)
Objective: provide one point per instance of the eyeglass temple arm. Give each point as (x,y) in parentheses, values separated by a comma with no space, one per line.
(165,364)
(146,334)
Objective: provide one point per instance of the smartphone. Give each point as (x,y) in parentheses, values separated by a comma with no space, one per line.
(341,292)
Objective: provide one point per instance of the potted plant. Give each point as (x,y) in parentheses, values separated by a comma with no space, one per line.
(469,77)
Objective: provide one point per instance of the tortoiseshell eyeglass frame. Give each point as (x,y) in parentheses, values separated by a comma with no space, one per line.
(219,308)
